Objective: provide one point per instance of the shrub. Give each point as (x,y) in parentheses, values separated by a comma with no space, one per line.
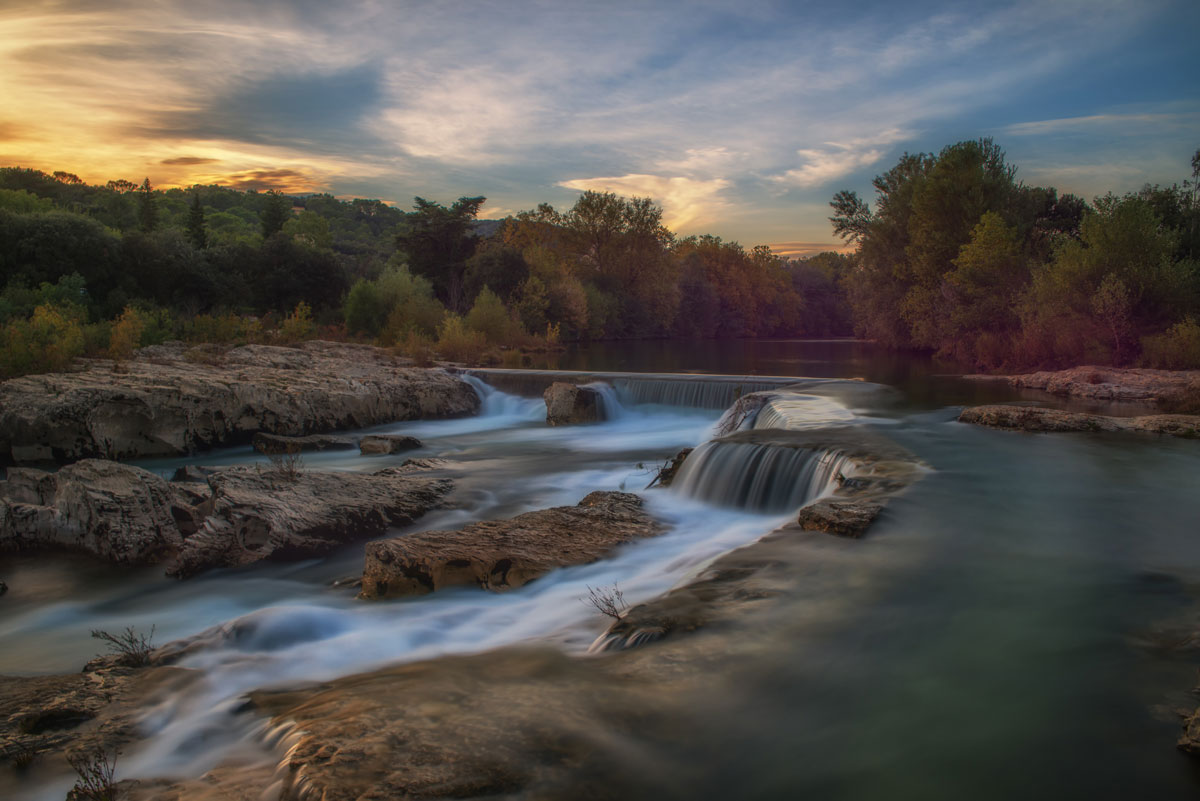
(607,602)
(48,341)
(126,334)
(97,776)
(457,343)
(298,325)
(1178,348)
(417,347)
(489,317)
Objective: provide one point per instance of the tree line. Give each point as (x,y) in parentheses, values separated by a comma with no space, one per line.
(960,258)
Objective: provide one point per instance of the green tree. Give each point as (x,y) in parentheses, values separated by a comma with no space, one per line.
(195,225)
(147,207)
(438,241)
(275,213)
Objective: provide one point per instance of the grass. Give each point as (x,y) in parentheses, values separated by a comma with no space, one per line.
(97,776)
(131,647)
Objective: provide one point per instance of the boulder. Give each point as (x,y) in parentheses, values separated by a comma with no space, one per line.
(387,443)
(120,512)
(169,401)
(567,404)
(277,444)
(258,514)
(1036,418)
(501,554)
(840,517)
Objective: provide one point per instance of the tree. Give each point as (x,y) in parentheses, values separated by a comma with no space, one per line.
(147,207)
(275,213)
(438,241)
(195,223)
(852,218)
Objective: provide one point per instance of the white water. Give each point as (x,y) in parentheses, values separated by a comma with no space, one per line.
(280,629)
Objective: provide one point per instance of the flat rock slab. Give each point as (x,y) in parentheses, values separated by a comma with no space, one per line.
(259,514)
(276,444)
(839,516)
(169,401)
(502,554)
(1105,383)
(387,443)
(1035,418)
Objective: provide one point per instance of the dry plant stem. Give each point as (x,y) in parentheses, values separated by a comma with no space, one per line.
(97,772)
(132,648)
(607,602)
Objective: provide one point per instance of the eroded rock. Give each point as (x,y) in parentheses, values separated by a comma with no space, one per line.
(568,404)
(840,516)
(170,402)
(501,554)
(276,444)
(387,443)
(1036,418)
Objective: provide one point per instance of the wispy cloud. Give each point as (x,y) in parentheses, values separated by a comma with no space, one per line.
(1125,122)
(838,159)
(686,202)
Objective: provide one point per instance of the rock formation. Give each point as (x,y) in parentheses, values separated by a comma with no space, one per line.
(1036,418)
(502,554)
(169,401)
(567,404)
(387,443)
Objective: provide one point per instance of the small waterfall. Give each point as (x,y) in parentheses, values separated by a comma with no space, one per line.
(698,393)
(610,405)
(758,477)
(796,411)
(494,403)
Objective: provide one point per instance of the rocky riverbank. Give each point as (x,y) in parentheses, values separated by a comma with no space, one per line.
(1036,418)
(216,518)
(174,399)
(1122,384)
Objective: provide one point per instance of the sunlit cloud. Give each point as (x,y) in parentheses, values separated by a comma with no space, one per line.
(802,250)
(686,202)
(1129,123)
(838,159)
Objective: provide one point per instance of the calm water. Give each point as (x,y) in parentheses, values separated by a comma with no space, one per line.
(1000,633)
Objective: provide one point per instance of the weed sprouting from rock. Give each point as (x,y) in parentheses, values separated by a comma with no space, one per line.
(131,647)
(97,776)
(607,602)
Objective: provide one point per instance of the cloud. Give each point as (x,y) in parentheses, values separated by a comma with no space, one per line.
(1130,123)
(285,180)
(187,161)
(838,159)
(686,202)
(802,250)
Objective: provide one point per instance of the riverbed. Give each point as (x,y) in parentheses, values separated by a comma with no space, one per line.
(1008,628)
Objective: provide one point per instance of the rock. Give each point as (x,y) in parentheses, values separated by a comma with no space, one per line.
(1036,418)
(1106,383)
(170,403)
(193,473)
(667,474)
(501,554)
(120,512)
(259,514)
(276,444)
(387,443)
(567,404)
(842,518)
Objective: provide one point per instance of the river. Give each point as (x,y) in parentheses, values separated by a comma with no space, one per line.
(1003,631)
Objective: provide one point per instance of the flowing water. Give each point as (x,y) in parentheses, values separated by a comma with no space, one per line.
(1004,631)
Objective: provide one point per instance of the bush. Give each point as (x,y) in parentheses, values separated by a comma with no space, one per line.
(298,325)
(48,341)
(489,317)
(129,646)
(457,343)
(1176,349)
(126,334)
(97,776)
(417,347)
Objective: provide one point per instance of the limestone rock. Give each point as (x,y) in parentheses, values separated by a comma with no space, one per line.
(259,514)
(501,554)
(120,512)
(276,444)
(840,517)
(567,404)
(1036,418)
(171,402)
(667,474)
(388,443)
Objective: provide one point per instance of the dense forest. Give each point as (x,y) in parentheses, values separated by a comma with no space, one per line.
(957,257)
(98,269)
(961,258)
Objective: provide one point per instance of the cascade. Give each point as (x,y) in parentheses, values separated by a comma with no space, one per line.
(758,477)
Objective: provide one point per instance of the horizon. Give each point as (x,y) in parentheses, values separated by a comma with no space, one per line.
(740,125)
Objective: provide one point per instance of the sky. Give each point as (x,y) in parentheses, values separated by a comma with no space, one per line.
(742,119)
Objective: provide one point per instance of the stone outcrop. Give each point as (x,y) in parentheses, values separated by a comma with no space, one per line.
(1036,418)
(168,401)
(841,517)
(1105,383)
(567,404)
(666,473)
(122,513)
(387,443)
(214,518)
(276,444)
(502,554)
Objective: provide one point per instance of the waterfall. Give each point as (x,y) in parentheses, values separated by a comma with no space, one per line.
(494,403)
(758,477)
(795,411)
(698,392)
(611,407)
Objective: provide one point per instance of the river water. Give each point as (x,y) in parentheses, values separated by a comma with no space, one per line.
(1009,628)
